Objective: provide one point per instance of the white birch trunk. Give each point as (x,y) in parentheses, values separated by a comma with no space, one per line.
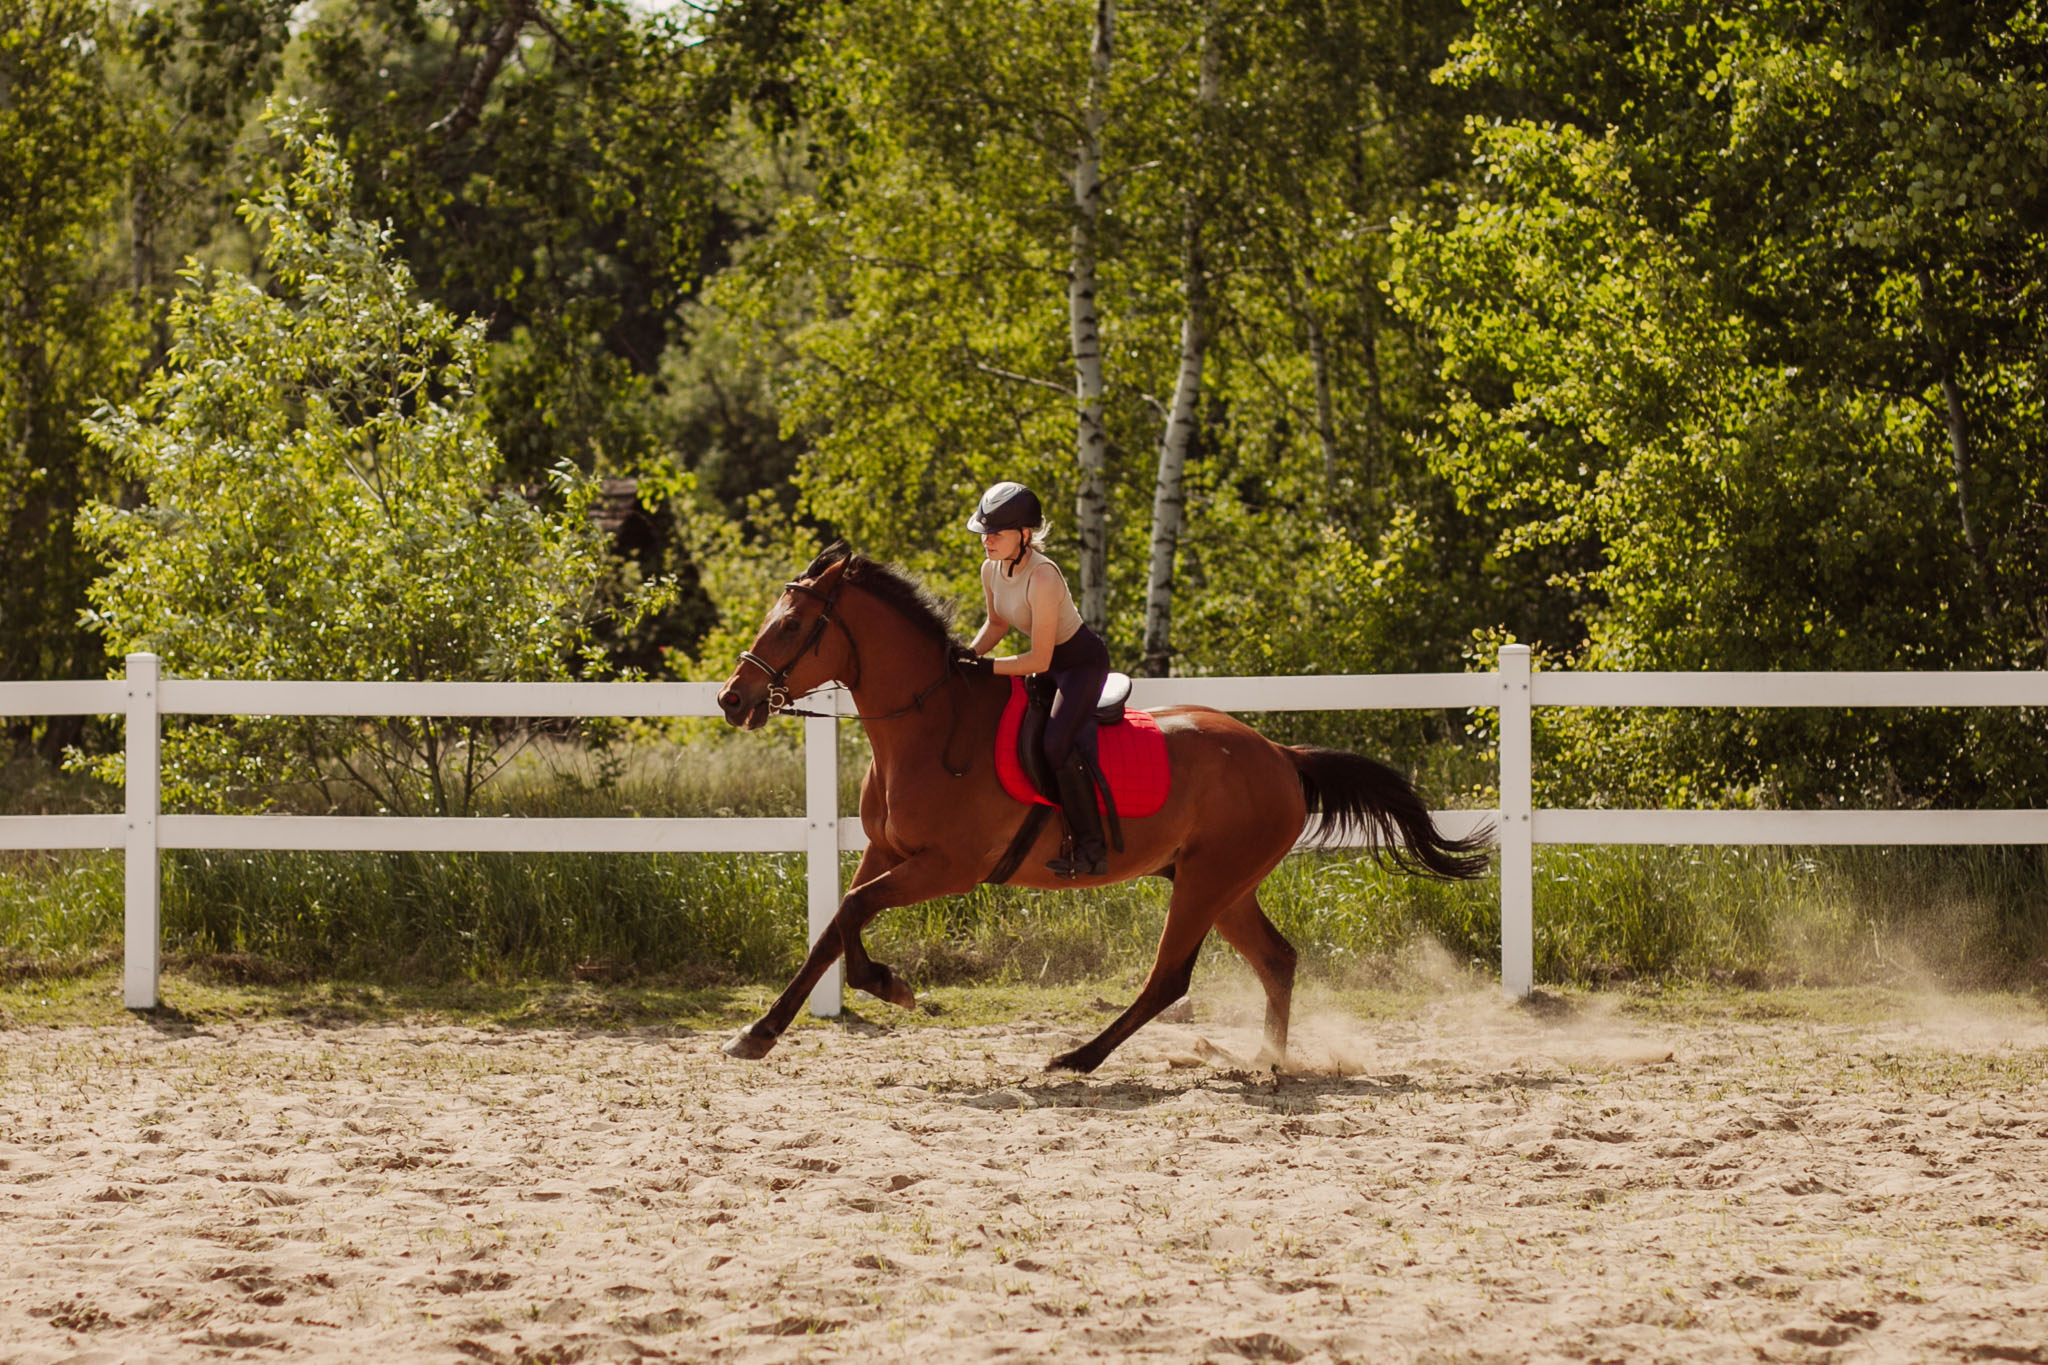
(1168,490)
(1326,410)
(1091,438)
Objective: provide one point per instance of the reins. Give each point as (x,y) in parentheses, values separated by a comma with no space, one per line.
(779,700)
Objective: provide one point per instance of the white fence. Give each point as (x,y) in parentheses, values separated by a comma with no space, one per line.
(143,697)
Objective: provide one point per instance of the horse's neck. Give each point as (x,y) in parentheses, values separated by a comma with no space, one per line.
(897,662)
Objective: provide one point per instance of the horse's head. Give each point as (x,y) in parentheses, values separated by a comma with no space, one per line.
(796,651)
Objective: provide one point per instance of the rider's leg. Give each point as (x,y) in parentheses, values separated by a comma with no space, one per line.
(1069,735)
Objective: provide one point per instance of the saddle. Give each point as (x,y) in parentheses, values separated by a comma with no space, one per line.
(1039,693)
(1131,777)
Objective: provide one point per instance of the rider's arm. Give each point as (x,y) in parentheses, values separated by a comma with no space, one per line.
(996,627)
(1045,606)
(991,634)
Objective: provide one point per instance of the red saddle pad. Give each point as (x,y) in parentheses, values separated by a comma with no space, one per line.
(1132,753)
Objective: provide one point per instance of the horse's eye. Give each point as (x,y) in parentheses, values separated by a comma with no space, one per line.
(789,625)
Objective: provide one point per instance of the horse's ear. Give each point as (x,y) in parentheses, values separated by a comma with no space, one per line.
(836,553)
(826,578)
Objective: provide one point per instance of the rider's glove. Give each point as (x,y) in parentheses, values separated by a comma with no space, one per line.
(967,661)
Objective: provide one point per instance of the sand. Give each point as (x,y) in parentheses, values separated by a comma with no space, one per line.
(1469,1183)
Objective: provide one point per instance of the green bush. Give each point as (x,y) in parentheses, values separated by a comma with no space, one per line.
(324,501)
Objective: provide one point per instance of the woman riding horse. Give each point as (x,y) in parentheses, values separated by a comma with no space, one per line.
(1024,590)
(938,819)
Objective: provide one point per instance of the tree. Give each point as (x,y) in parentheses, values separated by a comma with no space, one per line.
(1169,495)
(68,336)
(569,172)
(546,168)
(1757,313)
(1032,244)
(324,501)
(189,74)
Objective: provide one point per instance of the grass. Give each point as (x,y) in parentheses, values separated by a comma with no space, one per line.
(195,994)
(195,997)
(720,923)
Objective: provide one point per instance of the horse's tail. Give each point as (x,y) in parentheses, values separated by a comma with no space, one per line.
(1353,793)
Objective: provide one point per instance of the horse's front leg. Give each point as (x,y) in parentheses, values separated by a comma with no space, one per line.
(863,973)
(918,878)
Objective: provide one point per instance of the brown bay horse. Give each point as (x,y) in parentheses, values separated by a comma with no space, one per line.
(938,820)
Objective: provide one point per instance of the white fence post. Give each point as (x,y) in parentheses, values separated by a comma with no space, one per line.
(821,809)
(141,931)
(1517,841)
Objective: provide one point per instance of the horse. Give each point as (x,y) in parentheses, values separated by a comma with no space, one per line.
(938,820)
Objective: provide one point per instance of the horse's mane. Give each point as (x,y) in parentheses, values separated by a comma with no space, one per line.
(916,603)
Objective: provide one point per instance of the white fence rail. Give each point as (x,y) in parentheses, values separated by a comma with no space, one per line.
(143,697)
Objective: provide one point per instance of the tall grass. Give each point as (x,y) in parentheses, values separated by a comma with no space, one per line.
(1763,916)
(1753,916)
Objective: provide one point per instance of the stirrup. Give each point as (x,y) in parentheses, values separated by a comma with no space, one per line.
(1073,866)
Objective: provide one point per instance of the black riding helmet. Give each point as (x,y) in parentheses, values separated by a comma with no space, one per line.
(1006,507)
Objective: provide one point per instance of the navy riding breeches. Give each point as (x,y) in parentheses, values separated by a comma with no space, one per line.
(1078,669)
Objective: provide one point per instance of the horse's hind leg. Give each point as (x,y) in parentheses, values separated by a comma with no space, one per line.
(1244,926)
(1167,983)
(1189,915)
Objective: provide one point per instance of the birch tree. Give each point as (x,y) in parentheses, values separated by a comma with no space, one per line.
(1053,243)
(967,258)
(1169,500)
(1091,437)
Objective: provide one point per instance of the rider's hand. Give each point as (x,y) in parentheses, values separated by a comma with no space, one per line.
(967,661)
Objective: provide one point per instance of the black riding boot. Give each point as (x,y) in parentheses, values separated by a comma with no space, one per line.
(1084,822)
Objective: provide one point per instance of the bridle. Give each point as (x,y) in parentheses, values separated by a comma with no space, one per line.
(778,678)
(779,700)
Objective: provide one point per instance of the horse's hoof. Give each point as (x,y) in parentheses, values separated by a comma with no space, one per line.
(1074,1061)
(900,995)
(748,1046)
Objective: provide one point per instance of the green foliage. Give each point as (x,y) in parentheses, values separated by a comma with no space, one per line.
(1755,917)
(1657,335)
(572,197)
(322,505)
(917,306)
(489,917)
(1749,338)
(59,913)
(68,337)
(562,197)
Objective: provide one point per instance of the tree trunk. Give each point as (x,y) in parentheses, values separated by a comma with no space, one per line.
(465,115)
(1168,490)
(1962,459)
(1373,463)
(1326,419)
(1091,451)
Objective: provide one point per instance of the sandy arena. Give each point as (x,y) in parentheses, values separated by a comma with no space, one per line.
(1468,1183)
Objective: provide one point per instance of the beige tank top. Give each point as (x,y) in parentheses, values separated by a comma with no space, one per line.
(1009,596)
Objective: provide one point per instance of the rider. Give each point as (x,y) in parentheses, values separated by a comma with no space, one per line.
(1025,590)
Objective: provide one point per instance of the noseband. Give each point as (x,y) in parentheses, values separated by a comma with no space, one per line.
(778,678)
